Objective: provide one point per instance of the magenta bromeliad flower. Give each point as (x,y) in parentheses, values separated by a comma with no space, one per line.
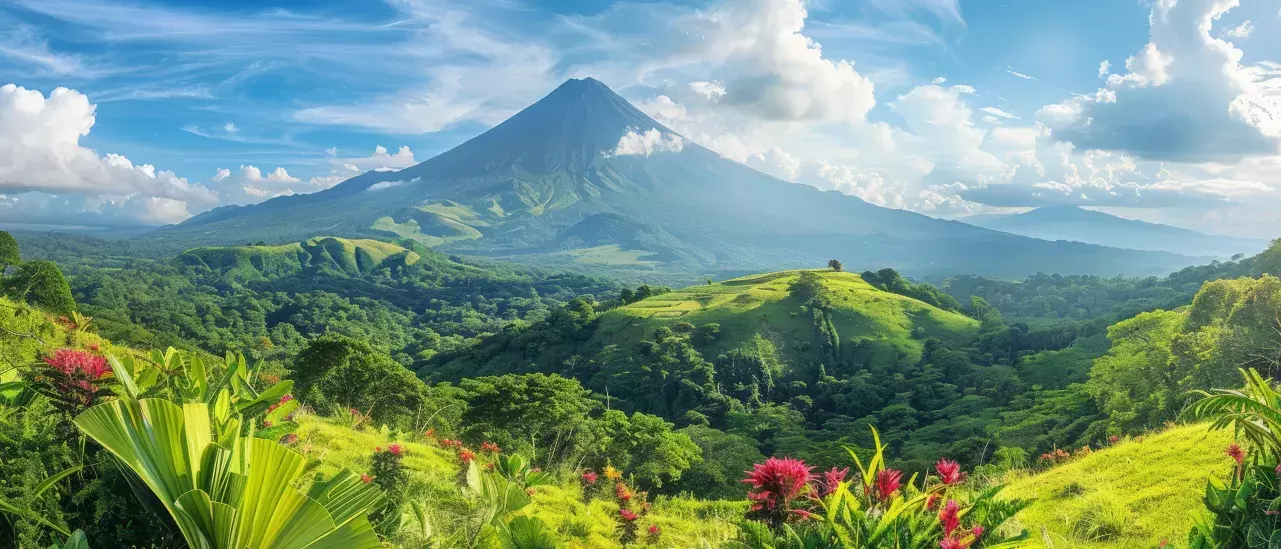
(832,479)
(949,471)
(395,449)
(950,518)
(72,362)
(888,482)
(778,481)
(627,515)
(590,477)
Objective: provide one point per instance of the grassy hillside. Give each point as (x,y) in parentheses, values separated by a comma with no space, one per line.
(350,256)
(1132,495)
(433,479)
(874,326)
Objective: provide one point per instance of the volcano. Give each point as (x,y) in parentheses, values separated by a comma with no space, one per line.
(585,180)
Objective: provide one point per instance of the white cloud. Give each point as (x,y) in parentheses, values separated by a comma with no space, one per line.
(1104,68)
(40,151)
(21,44)
(649,142)
(230,128)
(380,160)
(713,91)
(1242,31)
(1019,74)
(1185,96)
(964,89)
(662,108)
(248,184)
(998,112)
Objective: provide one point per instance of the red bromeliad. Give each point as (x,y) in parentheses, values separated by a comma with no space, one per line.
(949,471)
(888,481)
(395,449)
(950,518)
(832,479)
(778,481)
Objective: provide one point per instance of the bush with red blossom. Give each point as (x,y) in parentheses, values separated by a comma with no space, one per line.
(74,379)
(777,485)
(389,473)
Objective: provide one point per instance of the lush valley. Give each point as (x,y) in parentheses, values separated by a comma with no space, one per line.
(680,389)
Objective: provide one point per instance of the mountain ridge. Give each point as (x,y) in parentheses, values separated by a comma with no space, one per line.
(520,187)
(1077,224)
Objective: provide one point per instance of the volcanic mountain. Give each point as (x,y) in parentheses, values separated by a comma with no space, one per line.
(583,167)
(1093,227)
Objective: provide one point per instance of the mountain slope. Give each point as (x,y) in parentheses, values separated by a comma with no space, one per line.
(518,190)
(1081,225)
(351,257)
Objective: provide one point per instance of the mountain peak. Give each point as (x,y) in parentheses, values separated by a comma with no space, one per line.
(568,129)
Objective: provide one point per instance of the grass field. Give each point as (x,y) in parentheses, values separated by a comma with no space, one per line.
(873,324)
(433,479)
(1131,496)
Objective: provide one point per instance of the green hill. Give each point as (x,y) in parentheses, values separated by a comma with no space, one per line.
(1132,495)
(349,256)
(873,326)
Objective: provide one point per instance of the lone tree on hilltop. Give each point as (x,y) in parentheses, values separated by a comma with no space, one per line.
(835,265)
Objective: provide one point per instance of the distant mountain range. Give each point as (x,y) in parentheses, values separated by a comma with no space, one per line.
(1077,224)
(553,185)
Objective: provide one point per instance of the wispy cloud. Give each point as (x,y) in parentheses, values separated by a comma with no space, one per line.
(22,44)
(1019,74)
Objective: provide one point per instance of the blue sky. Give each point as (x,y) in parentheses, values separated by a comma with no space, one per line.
(945,107)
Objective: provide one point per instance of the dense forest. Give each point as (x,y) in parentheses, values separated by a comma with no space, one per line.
(649,400)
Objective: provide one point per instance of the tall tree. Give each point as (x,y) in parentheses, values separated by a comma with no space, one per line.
(41,283)
(8,252)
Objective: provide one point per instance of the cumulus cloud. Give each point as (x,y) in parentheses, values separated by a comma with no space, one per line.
(1104,68)
(713,91)
(40,151)
(380,160)
(647,143)
(248,184)
(662,108)
(1184,96)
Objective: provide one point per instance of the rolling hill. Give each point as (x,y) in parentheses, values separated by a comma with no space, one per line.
(524,189)
(880,324)
(337,255)
(1077,224)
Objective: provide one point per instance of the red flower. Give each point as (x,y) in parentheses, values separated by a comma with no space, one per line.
(777,481)
(365,478)
(949,471)
(832,479)
(1114,439)
(1235,452)
(378,449)
(72,362)
(950,517)
(654,531)
(489,466)
(394,449)
(290,438)
(627,515)
(285,399)
(888,482)
(93,346)
(622,492)
(952,543)
(590,477)
(490,447)
(466,455)
(431,433)
(977,531)
(266,424)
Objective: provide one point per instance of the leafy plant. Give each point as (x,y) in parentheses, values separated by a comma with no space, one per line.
(224,490)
